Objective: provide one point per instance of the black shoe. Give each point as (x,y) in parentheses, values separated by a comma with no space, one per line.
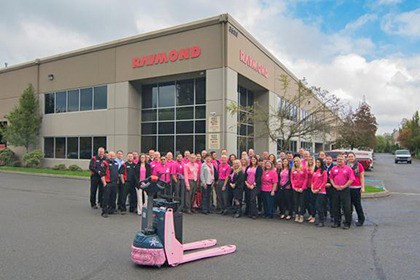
(345,227)
(105,215)
(94,207)
(320,225)
(359,224)
(254,217)
(123,212)
(335,225)
(205,212)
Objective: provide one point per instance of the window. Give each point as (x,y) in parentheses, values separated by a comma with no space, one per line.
(98,142)
(100,98)
(76,100)
(86,99)
(73,100)
(85,147)
(73,147)
(245,122)
(293,146)
(61,102)
(49,103)
(49,147)
(171,119)
(60,147)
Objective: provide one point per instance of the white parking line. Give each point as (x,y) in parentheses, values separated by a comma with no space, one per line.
(404,193)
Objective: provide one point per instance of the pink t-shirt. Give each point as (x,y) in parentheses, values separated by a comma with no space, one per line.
(153,164)
(164,171)
(309,180)
(299,179)
(224,171)
(341,174)
(250,179)
(319,180)
(177,168)
(191,171)
(356,184)
(268,179)
(142,172)
(284,177)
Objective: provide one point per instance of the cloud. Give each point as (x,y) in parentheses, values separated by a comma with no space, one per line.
(389,2)
(362,20)
(405,24)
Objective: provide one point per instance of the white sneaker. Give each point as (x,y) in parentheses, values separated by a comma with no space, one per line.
(297,218)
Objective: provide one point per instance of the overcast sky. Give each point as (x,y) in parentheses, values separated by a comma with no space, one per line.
(351,48)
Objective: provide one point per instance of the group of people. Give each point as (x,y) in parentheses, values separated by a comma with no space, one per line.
(292,186)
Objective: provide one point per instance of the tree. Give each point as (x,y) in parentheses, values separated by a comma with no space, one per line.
(24,121)
(358,129)
(409,133)
(301,114)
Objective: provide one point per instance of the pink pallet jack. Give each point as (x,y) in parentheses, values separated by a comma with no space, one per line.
(148,248)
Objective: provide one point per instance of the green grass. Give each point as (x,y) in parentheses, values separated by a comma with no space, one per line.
(370,189)
(84,173)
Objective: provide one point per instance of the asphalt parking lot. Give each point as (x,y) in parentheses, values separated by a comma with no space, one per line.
(49,231)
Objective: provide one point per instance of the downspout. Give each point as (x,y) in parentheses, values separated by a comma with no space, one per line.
(223,20)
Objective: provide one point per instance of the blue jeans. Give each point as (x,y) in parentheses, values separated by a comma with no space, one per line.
(268,204)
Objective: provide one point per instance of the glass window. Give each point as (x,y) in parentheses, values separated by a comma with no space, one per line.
(242,141)
(184,142)
(148,128)
(185,113)
(86,99)
(100,98)
(98,142)
(184,127)
(49,147)
(60,102)
(185,92)
(166,127)
(148,142)
(73,100)
(149,115)
(60,147)
(200,112)
(49,103)
(166,114)
(200,143)
(85,147)
(250,130)
(250,101)
(149,96)
(242,96)
(200,127)
(166,95)
(73,147)
(200,91)
(166,144)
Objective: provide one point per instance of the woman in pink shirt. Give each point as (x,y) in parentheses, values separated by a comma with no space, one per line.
(269,180)
(253,175)
(299,177)
(191,174)
(357,187)
(145,172)
(309,197)
(318,182)
(285,192)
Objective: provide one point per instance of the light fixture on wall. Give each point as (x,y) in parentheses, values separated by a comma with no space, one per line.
(50,77)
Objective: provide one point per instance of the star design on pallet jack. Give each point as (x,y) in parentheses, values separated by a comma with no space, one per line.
(154,242)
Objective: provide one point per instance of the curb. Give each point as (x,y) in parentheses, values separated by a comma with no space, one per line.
(385,193)
(46,175)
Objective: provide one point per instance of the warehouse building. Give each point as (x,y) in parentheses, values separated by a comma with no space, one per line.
(166,90)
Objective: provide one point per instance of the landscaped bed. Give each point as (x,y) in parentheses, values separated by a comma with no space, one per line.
(83,173)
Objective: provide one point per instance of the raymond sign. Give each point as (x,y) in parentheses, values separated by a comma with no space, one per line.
(253,64)
(166,57)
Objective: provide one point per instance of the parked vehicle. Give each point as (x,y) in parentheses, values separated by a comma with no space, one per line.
(402,155)
(364,157)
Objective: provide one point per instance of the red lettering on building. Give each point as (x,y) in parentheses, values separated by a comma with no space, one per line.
(163,57)
(253,64)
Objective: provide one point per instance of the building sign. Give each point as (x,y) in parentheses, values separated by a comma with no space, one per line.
(214,141)
(165,57)
(253,64)
(214,124)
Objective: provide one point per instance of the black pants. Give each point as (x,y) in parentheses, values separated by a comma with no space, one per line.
(251,202)
(356,201)
(288,201)
(121,196)
(95,186)
(341,200)
(329,207)
(268,202)
(108,193)
(310,201)
(227,196)
(128,188)
(260,202)
(281,201)
(321,205)
(299,201)
(205,198)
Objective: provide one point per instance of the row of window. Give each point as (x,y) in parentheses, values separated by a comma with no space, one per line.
(72,147)
(174,143)
(179,127)
(83,99)
(289,110)
(246,124)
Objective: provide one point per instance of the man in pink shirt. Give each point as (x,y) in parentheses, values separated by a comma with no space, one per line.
(163,171)
(191,174)
(223,171)
(186,158)
(155,161)
(341,177)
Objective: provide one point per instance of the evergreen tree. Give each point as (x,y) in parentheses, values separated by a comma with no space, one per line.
(24,121)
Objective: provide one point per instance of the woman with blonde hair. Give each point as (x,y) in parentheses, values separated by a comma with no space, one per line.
(309,196)
(269,182)
(299,177)
(236,183)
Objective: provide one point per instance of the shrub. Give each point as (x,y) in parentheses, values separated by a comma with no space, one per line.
(60,167)
(33,159)
(7,157)
(16,163)
(74,167)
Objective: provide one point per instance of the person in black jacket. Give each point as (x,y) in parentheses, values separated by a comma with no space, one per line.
(129,177)
(253,174)
(285,191)
(237,183)
(95,178)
